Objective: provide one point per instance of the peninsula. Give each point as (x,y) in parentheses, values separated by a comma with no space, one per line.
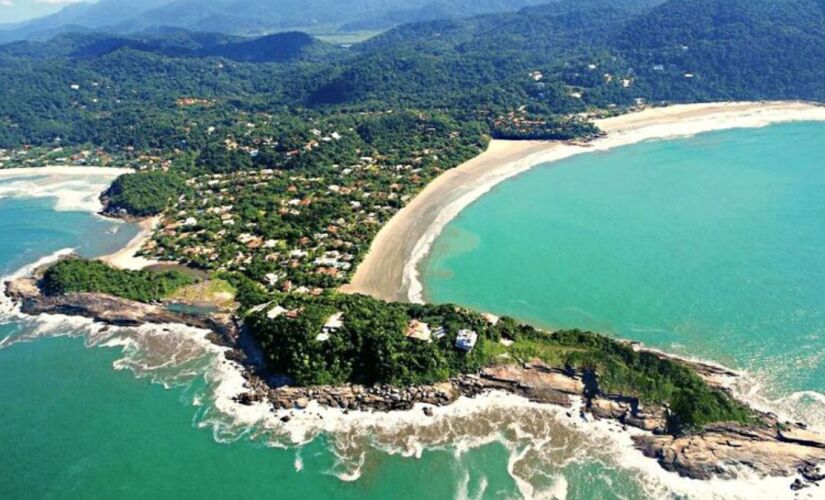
(288,188)
(337,348)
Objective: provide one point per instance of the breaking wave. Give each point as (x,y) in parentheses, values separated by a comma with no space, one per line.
(71,193)
(545,444)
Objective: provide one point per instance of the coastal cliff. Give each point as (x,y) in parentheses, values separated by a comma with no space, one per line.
(115,311)
(765,447)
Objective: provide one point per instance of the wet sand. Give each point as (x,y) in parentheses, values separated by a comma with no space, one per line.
(127,258)
(389,271)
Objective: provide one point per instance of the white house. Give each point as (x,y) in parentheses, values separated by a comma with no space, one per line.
(275,312)
(334,322)
(466,340)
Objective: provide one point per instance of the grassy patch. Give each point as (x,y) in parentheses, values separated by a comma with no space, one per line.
(217,292)
(642,374)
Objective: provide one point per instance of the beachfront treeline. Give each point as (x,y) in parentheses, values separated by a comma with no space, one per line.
(277,172)
(70,276)
(337,339)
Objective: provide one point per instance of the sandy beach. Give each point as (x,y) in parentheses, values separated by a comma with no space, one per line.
(64,170)
(79,188)
(389,270)
(127,258)
(72,188)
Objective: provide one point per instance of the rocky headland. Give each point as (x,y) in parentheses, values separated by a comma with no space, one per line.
(116,311)
(765,447)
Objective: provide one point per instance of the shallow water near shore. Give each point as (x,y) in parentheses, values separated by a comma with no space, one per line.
(93,412)
(709,246)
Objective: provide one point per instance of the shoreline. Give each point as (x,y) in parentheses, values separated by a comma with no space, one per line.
(127,257)
(320,418)
(124,258)
(768,452)
(64,170)
(390,269)
(74,189)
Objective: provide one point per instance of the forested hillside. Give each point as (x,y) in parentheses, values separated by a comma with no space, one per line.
(527,67)
(251,17)
(737,49)
(273,162)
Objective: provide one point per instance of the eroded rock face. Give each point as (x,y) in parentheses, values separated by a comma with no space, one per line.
(722,450)
(536,376)
(799,435)
(111,310)
(714,452)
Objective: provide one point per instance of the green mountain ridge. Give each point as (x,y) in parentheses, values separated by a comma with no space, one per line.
(594,54)
(251,17)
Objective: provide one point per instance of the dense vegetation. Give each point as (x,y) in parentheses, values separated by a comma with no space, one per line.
(143,194)
(520,72)
(276,160)
(79,275)
(623,370)
(370,347)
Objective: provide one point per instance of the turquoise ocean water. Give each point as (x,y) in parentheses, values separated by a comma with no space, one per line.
(87,412)
(706,246)
(711,246)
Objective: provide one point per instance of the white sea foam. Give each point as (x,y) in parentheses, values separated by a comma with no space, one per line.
(541,439)
(71,193)
(799,406)
(8,308)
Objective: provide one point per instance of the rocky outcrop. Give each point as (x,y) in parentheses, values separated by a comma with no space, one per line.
(536,381)
(719,450)
(114,310)
(357,397)
(766,448)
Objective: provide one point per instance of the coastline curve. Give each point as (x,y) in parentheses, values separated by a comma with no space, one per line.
(390,269)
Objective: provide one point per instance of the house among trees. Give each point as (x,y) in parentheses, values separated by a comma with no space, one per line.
(466,340)
(333,324)
(275,312)
(418,330)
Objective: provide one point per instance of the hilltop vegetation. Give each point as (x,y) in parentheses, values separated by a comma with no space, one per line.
(80,275)
(143,194)
(524,71)
(275,161)
(371,347)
